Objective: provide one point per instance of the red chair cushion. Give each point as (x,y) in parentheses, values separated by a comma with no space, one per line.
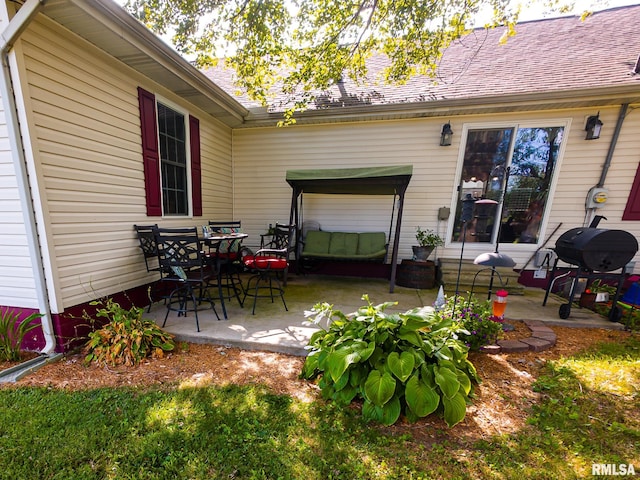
(264,262)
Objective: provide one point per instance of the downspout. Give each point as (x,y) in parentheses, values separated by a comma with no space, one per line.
(612,146)
(8,37)
(599,187)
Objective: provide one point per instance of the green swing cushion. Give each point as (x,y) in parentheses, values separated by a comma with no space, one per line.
(345,245)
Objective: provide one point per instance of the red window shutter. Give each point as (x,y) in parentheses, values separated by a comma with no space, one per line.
(150,154)
(632,210)
(196,170)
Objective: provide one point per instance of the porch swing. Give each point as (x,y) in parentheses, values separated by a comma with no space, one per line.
(386,180)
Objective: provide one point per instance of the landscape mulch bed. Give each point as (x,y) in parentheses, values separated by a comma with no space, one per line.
(501,404)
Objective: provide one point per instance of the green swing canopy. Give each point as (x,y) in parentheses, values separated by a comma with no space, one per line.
(383,180)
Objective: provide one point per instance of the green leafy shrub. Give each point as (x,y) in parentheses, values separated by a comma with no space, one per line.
(598,286)
(411,363)
(428,238)
(476,318)
(127,338)
(13,331)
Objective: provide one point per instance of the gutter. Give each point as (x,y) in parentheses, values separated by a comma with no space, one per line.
(8,37)
(553,100)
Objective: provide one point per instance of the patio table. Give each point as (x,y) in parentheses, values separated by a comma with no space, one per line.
(218,236)
(225,260)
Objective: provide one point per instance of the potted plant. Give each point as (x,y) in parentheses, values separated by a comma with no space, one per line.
(427,241)
(596,292)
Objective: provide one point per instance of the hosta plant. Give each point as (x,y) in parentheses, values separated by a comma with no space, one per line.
(126,338)
(13,331)
(408,363)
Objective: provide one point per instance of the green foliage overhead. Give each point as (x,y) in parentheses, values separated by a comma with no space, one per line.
(411,363)
(306,45)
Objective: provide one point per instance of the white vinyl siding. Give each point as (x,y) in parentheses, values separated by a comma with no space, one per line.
(622,172)
(17,285)
(582,166)
(84,114)
(262,156)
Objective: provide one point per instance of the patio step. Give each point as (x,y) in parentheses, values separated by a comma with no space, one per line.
(468,270)
(542,338)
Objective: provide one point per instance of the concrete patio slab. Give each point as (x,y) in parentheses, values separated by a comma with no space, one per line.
(274,329)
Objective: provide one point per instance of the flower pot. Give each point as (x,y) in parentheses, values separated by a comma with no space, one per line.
(587,300)
(414,274)
(420,254)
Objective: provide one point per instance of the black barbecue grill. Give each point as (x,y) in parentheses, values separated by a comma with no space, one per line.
(596,249)
(594,252)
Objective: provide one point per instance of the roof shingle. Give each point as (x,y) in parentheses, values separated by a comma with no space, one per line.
(551,55)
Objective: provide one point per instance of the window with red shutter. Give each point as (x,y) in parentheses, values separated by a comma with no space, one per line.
(150,155)
(165,158)
(196,177)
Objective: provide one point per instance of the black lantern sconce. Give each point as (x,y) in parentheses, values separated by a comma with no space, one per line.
(446,135)
(593,127)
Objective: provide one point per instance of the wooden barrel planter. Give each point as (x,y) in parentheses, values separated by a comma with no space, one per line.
(412,274)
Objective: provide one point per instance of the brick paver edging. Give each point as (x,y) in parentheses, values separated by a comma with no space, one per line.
(542,338)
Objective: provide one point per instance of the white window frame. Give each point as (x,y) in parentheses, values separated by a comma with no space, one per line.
(516,125)
(187,145)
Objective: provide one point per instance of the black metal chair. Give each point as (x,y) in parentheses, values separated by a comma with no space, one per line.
(270,264)
(147,243)
(228,258)
(180,252)
(149,247)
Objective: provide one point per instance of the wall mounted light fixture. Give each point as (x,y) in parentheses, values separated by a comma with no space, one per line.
(593,127)
(446,135)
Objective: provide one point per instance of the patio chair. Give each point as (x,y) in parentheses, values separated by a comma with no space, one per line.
(149,247)
(180,252)
(270,264)
(147,243)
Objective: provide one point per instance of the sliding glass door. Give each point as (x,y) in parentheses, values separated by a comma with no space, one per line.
(505,183)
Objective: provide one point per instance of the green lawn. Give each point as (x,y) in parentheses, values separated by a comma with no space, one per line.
(589,413)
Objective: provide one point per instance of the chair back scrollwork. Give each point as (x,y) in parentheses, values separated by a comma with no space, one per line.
(148,245)
(180,252)
(282,239)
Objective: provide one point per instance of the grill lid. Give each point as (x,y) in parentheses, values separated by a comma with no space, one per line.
(596,249)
